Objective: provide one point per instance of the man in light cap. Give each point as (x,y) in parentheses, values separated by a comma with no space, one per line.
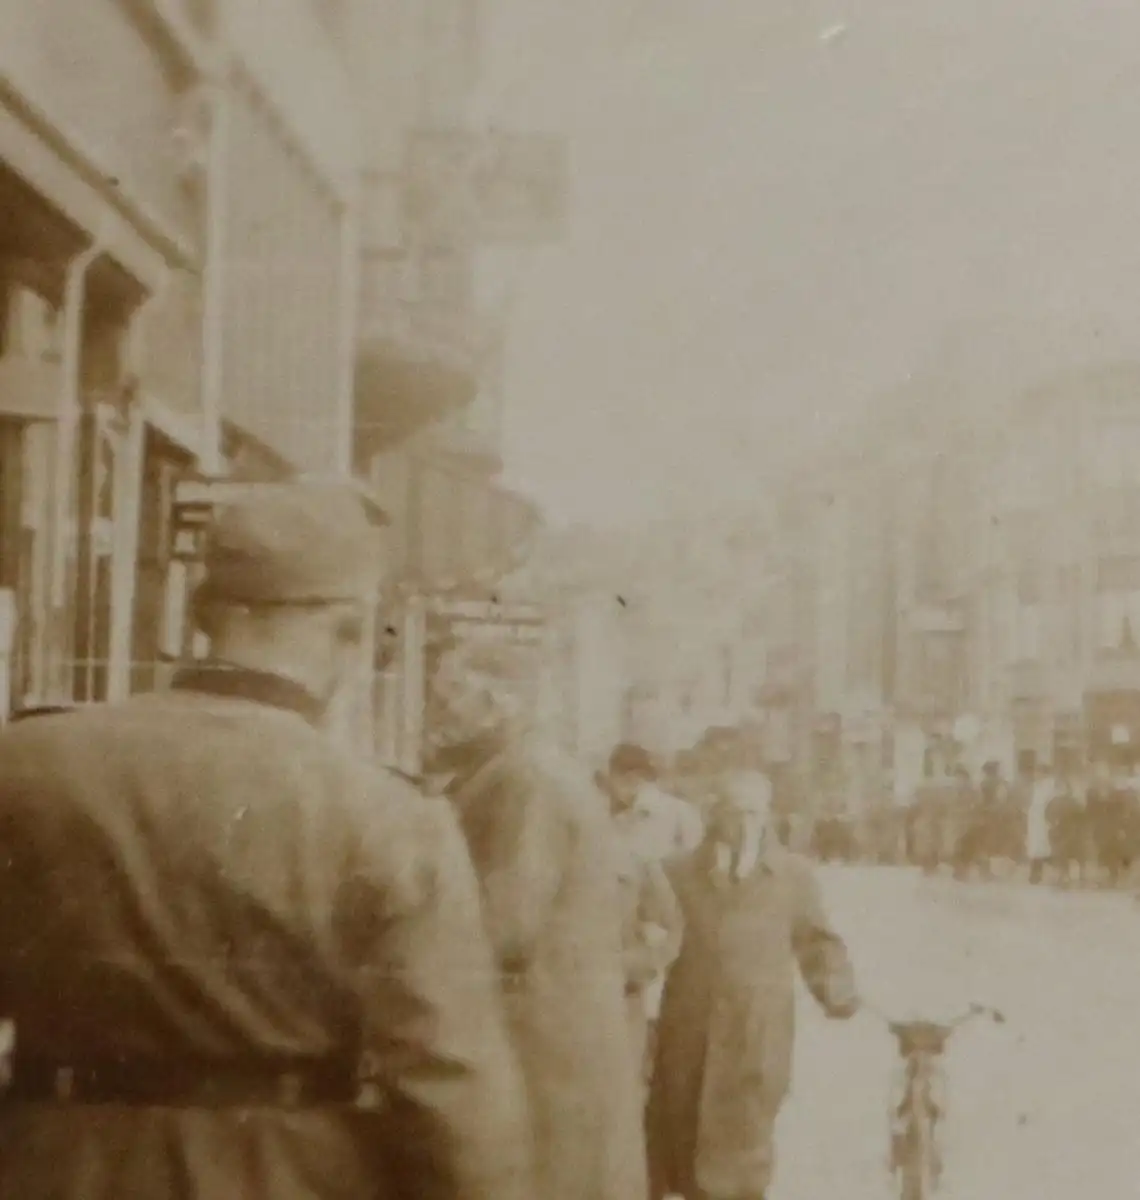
(239,962)
(752,913)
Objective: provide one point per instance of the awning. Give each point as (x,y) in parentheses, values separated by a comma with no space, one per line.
(400,389)
(453,528)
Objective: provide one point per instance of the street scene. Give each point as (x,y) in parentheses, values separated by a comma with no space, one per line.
(1037,1107)
(569,600)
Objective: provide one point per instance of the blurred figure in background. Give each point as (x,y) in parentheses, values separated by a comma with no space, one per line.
(1066,818)
(985,823)
(1039,848)
(660,825)
(655,827)
(544,849)
(651,940)
(752,914)
(1110,805)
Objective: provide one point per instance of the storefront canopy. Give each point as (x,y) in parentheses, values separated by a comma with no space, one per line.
(401,389)
(453,528)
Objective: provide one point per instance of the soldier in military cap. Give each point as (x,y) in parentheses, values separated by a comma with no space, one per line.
(211,917)
(549,864)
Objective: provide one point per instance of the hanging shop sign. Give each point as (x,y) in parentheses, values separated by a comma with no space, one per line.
(485,621)
(455,530)
(478,643)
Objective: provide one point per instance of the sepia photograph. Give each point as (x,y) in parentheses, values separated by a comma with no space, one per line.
(569,600)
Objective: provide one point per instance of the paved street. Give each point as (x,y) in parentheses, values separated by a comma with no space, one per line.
(1044,1107)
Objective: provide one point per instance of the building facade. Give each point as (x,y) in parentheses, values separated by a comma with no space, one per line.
(177,266)
(430,357)
(965,589)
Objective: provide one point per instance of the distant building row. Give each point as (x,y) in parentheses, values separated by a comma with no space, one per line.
(962,583)
(226,252)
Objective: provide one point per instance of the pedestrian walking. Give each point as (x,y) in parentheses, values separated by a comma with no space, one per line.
(1039,849)
(752,914)
(214,921)
(1110,805)
(1067,832)
(651,940)
(985,836)
(660,824)
(544,848)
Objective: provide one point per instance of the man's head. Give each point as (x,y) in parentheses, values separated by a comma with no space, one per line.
(743,797)
(292,578)
(630,768)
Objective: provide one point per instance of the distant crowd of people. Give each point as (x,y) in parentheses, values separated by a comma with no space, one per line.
(1063,827)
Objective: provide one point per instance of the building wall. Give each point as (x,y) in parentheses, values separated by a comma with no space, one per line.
(286,234)
(991,573)
(98,221)
(109,138)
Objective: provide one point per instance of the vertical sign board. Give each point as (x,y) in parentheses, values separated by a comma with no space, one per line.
(7,644)
(458,626)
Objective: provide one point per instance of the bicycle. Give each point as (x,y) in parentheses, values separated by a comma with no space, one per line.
(918,1106)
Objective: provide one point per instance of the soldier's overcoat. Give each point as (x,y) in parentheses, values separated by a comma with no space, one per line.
(548,860)
(201,880)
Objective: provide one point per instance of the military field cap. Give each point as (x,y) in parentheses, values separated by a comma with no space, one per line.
(294,544)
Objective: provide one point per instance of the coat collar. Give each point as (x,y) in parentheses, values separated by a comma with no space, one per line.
(242,683)
(710,861)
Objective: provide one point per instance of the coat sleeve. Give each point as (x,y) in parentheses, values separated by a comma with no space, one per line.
(518,832)
(659,925)
(820,951)
(433,1035)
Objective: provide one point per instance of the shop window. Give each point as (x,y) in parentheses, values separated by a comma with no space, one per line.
(161,626)
(12,576)
(29,325)
(100,454)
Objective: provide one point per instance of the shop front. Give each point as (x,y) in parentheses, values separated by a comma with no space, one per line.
(1112,708)
(454,535)
(98,218)
(69,422)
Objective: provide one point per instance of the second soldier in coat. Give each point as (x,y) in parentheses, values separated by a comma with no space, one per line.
(547,859)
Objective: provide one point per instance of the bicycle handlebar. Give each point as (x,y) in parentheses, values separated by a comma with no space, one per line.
(975,1010)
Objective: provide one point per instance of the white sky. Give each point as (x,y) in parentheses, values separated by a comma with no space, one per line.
(771,225)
